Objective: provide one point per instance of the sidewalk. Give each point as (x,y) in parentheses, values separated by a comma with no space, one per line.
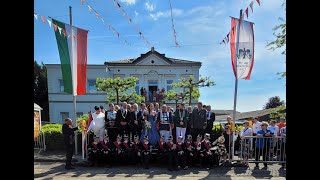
(53,156)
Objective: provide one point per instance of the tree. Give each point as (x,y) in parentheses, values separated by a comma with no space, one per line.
(192,87)
(273,102)
(116,87)
(280,34)
(132,98)
(278,112)
(173,95)
(40,88)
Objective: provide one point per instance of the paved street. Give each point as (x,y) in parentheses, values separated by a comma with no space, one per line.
(55,170)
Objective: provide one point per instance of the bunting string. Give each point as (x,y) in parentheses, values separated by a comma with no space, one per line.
(226,38)
(116,3)
(110,27)
(174,30)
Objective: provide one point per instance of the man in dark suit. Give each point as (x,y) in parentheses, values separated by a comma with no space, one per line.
(135,121)
(211,117)
(198,121)
(68,133)
(123,119)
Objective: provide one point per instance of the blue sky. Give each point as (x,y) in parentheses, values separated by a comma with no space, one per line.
(200,26)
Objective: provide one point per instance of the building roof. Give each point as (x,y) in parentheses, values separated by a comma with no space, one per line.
(223,112)
(245,115)
(151,52)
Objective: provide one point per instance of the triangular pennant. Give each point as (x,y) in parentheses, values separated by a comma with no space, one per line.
(224,42)
(140,33)
(49,22)
(228,37)
(35,16)
(130,19)
(109,26)
(82,1)
(90,8)
(258,1)
(251,6)
(102,20)
(97,15)
(118,6)
(247,12)
(55,27)
(242,17)
(43,19)
(64,33)
(118,34)
(59,29)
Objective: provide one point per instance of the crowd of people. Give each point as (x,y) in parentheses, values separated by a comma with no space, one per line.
(180,138)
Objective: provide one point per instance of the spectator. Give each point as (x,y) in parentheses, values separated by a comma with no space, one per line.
(198,120)
(116,108)
(281,124)
(263,142)
(246,142)
(283,145)
(68,133)
(273,128)
(227,134)
(231,124)
(256,126)
(141,91)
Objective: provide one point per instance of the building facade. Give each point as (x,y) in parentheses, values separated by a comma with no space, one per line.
(154,71)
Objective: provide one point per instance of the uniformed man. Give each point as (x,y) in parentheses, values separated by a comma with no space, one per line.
(181,153)
(136,150)
(189,150)
(206,150)
(172,154)
(135,121)
(68,133)
(106,148)
(93,151)
(146,152)
(111,125)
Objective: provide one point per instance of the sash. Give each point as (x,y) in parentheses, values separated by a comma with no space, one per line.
(206,145)
(125,145)
(161,146)
(94,146)
(116,144)
(188,144)
(179,147)
(146,147)
(105,146)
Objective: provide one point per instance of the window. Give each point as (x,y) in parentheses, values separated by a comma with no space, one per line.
(61,85)
(137,88)
(91,86)
(169,85)
(63,116)
(79,114)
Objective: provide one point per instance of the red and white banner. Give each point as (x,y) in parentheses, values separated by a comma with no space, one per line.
(242,52)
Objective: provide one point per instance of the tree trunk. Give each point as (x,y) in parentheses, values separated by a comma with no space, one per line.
(117,92)
(190,91)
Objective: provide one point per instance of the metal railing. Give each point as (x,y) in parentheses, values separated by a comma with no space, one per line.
(263,149)
(40,142)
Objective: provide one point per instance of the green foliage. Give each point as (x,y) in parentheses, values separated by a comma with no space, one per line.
(280,41)
(40,88)
(273,102)
(278,112)
(116,87)
(192,87)
(80,119)
(132,98)
(54,137)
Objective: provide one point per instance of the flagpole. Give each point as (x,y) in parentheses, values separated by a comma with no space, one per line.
(74,96)
(236,81)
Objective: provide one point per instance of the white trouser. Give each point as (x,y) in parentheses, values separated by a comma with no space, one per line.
(99,133)
(166,134)
(182,132)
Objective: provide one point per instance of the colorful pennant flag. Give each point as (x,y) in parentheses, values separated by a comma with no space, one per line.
(82,1)
(59,29)
(55,27)
(227,37)
(251,6)
(258,1)
(247,12)
(118,6)
(97,15)
(90,8)
(73,57)
(43,19)
(49,22)
(35,16)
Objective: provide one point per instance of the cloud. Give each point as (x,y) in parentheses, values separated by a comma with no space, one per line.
(129,2)
(150,7)
(136,13)
(166,14)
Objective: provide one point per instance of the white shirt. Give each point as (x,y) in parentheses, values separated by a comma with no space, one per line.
(274,129)
(256,126)
(245,133)
(98,120)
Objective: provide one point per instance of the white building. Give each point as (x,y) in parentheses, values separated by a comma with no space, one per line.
(154,71)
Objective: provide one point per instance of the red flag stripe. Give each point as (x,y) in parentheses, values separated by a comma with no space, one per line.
(258,1)
(247,12)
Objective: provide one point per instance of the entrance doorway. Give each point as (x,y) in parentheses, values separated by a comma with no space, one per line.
(153,86)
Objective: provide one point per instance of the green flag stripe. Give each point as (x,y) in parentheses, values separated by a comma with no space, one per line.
(64,57)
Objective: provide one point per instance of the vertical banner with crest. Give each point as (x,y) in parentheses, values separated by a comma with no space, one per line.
(242,50)
(36,124)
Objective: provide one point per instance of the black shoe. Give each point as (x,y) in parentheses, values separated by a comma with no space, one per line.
(69,167)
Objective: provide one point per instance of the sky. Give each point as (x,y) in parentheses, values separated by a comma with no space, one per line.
(200,25)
